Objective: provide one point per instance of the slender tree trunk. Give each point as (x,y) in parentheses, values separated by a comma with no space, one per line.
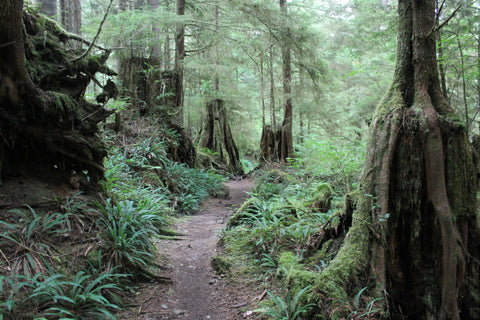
(179,60)
(13,75)
(48,8)
(262,90)
(302,127)
(287,125)
(441,63)
(272,91)
(464,84)
(166,53)
(71,15)
(65,14)
(478,71)
(156,53)
(167,57)
(217,47)
(77,17)
(301,114)
(271,140)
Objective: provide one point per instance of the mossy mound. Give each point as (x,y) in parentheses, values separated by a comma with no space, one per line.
(53,132)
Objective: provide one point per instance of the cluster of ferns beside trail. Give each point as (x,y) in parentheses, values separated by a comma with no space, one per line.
(357,120)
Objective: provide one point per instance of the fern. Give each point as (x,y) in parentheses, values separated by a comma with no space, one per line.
(287,308)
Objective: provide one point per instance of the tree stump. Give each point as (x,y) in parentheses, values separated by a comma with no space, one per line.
(217,137)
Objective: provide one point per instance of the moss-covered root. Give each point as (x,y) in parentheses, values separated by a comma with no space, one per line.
(343,277)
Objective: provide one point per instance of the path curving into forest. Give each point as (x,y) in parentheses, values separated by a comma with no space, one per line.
(196,291)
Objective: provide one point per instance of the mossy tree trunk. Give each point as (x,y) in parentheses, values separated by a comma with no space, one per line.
(47,129)
(415,236)
(217,137)
(154,93)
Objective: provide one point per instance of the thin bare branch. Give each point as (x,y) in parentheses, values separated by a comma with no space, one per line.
(96,36)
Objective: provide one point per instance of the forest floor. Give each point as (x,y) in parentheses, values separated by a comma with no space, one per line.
(196,291)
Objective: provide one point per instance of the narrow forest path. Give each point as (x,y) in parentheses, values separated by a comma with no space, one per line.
(196,291)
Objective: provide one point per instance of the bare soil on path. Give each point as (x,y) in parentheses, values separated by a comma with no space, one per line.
(196,291)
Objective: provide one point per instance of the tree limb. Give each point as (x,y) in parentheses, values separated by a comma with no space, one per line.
(448,19)
(96,36)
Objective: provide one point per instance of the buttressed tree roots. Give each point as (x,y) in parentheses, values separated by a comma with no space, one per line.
(415,238)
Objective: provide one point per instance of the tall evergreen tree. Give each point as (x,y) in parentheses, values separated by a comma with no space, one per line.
(179,60)
(286,148)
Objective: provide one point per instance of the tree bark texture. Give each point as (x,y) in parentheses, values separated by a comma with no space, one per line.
(166,53)
(287,125)
(13,75)
(179,57)
(48,8)
(153,89)
(217,137)
(71,15)
(269,144)
(415,235)
(156,50)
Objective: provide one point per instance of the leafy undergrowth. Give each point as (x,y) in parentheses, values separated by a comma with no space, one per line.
(291,228)
(79,258)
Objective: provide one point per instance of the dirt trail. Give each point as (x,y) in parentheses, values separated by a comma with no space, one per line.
(196,291)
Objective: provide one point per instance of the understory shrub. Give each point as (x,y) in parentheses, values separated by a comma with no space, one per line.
(336,161)
(126,236)
(40,296)
(146,174)
(29,241)
(282,226)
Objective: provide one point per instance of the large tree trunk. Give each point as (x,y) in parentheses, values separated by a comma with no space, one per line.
(152,89)
(269,144)
(13,75)
(415,235)
(217,137)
